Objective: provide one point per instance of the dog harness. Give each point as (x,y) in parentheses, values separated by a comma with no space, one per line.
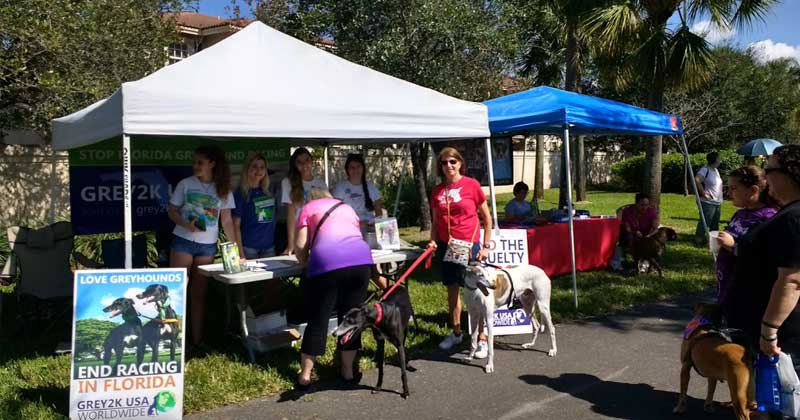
(512,300)
(379,317)
(730,335)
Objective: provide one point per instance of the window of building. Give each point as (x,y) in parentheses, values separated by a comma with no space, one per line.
(178,51)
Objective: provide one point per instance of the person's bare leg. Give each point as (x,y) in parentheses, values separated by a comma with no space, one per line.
(183,260)
(454,306)
(306,366)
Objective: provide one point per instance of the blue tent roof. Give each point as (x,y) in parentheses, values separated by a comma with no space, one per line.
(545,110)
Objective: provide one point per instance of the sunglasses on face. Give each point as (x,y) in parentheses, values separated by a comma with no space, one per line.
(450,161)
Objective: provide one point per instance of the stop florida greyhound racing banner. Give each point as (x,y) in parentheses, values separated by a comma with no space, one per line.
(159,163)
(127,346)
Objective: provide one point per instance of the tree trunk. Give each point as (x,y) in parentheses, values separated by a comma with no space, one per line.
(580,170)
(419,161)
(538,180)
(570,82)
(652,164)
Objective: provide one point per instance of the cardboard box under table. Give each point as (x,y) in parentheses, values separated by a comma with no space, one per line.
(261,333)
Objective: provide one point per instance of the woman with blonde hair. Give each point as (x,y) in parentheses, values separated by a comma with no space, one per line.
(458,204)
(254,215)
(295,190)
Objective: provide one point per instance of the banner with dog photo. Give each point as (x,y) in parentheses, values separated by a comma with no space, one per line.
(127,344)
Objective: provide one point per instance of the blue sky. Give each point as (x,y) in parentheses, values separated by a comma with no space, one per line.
(777,36)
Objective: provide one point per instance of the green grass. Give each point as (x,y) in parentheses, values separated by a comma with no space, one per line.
(34,385)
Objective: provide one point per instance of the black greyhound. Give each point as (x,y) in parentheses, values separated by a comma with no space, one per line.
(389,321)
(165,325)
(127,334)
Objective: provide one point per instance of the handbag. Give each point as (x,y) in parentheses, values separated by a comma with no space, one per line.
(458,251)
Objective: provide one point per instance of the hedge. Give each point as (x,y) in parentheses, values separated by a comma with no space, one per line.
(628,175)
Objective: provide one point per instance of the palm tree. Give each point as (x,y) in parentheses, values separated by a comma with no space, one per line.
(635,34)
(558,44)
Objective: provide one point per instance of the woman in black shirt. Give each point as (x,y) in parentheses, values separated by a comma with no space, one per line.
(766,284)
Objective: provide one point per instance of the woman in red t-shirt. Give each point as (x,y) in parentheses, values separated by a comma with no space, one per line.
(456,204)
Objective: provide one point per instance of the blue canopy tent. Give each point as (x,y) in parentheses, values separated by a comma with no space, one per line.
(546,110)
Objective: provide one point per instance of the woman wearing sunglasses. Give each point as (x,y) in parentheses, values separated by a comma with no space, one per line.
(457,204)
(766,281)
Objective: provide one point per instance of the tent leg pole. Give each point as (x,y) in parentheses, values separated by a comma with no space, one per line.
(53,177)
(400,181)
(490,168)
(569,215)
(524,155)
(128,199)
(694,184)
(325,162)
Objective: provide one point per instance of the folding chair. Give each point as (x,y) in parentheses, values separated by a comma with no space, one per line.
(40,263)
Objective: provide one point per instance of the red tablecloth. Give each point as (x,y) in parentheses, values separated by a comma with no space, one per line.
(595,241)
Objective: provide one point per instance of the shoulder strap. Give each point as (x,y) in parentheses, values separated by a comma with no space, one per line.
(321,221)
(449,233)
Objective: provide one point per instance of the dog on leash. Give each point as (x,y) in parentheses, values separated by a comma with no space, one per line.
(388,319)
(715,356)
(127,334)
(650,248)
(486,287)
(165,325)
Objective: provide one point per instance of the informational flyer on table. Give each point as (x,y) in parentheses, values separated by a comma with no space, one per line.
(127,345)
(509,247)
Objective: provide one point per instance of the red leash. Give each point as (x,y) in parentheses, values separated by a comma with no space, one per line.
(426,254)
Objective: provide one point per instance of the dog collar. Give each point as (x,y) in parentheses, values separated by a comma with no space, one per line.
(379,317)
(694,324)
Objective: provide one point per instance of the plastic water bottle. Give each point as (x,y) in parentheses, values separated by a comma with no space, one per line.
(768,384)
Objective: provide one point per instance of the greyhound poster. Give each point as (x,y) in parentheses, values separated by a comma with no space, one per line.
(127,344)
(509,247)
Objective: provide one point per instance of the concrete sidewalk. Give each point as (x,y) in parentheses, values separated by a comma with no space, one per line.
(622,367)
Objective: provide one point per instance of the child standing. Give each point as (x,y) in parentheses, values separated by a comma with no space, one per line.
(254,215)
(197,206)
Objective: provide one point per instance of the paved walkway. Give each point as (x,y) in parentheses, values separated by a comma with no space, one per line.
(620,367)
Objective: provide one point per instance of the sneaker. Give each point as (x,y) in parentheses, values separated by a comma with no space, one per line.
(483,350)
(450,341)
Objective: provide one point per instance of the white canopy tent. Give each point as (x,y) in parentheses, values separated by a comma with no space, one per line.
(261,83)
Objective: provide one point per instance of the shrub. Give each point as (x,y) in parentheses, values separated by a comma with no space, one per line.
(409,208)
(628,174)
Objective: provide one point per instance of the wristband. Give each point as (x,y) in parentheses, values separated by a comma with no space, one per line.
(769,339)
(767,324)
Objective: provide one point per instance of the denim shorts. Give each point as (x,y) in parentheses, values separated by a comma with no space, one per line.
(253,253)
(192,248)
(452,273)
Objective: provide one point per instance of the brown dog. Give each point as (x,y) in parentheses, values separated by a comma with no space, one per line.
(716,359)
(651,247)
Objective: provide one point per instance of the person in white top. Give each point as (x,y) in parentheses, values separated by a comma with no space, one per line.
(364,197)
(197,206)
(709,187)
(295,190)
(360,194)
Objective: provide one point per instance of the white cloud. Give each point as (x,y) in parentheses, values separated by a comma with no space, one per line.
(713,33)
(767,50)
(108,299)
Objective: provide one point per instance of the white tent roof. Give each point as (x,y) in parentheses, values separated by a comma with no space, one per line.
(263,83)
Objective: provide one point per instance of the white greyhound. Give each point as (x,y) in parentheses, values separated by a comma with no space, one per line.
(487,287)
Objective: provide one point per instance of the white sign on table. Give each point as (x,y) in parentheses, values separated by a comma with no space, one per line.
(509,247)
(127,346)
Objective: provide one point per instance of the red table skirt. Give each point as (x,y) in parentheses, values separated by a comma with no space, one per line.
(595,241)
